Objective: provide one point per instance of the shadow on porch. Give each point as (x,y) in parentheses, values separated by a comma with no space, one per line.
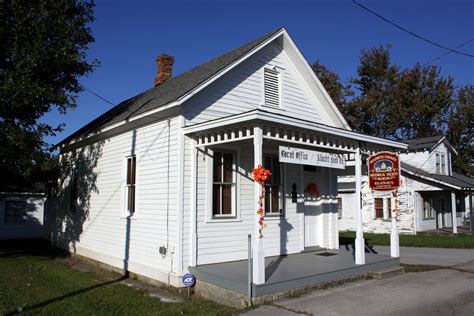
(293,271)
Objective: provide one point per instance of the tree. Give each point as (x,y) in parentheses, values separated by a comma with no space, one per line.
(331,81)
(421,98)
(377,76)
(42,55)
(460,129)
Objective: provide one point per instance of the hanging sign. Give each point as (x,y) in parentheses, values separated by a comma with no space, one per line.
(384,171)
(311,157)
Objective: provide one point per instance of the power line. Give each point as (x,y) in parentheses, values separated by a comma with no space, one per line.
(102,98)
(448,52)
(409,32)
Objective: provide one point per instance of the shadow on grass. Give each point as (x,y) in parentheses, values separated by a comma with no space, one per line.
(62,297)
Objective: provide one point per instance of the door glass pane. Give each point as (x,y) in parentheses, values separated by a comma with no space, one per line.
(275,172)
(228,167)
(217,167)
(275,199)
(216,199)
(267,200)
(227,199)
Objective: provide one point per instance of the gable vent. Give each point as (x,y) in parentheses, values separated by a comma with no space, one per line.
(272,87)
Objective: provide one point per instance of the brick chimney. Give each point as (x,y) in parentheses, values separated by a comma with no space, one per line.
(164,64)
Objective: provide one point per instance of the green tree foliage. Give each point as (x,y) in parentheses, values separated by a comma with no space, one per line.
(42,55)
(369,112)
(460,129)
(387,101)
(421,99)
(331,81)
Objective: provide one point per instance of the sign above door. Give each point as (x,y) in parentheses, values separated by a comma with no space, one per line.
(311,157)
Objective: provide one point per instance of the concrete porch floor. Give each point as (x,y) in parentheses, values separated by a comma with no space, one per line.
(294,271)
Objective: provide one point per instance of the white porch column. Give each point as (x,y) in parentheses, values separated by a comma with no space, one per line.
(453,212)
(394,239)
(359,241)
(471,210)
(258,251)
(385,208)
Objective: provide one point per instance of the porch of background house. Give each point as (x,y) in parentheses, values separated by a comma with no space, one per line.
(294,271)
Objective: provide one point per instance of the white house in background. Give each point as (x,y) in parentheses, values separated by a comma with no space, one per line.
(22,215)
(429,192)
(162,181)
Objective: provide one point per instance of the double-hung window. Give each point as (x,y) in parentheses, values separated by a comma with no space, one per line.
(130,185)
(428,210)
(274,187)
(440,164)
(339,207)
(379,210)
(223,184)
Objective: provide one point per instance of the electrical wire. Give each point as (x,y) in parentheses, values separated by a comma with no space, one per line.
(448,52)
(410,32)
(89,90)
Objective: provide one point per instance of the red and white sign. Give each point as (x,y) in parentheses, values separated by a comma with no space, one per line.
(384,171)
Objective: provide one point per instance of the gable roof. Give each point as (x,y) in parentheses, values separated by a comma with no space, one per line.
(423,143)
(428,143)
(455,180)
(169,91)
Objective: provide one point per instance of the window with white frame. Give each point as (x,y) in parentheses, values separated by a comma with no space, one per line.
(428,209)
(440,163)
(271,83)
(130,183)
(223,184)
(459,209)
(15,211)
(273,187)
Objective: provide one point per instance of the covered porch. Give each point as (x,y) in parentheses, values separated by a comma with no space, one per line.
(256,134)
(294,271)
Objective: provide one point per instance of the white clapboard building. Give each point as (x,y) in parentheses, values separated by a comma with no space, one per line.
(162,182)
(432,196)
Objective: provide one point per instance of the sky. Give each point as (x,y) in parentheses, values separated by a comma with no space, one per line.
(130,34)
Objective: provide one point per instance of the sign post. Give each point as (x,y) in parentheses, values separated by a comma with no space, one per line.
(188,281)
(384,176)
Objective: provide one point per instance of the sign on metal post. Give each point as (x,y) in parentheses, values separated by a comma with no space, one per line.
(188,281)
(384,171)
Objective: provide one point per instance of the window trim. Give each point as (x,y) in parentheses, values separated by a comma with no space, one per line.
(125,212)
(430,201)
(282,188)
(272,68)
(441,164)
(209,161)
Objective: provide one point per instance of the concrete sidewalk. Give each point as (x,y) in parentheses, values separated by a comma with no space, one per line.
(441,292)
(430,256)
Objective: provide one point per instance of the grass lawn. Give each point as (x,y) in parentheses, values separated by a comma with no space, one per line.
(431,241)
(420,267)
(41,282)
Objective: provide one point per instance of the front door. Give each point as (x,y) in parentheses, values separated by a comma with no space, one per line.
(312,220)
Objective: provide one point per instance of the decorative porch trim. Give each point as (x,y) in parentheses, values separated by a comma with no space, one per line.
(265,116)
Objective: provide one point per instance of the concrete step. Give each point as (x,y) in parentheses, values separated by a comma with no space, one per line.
(387,273)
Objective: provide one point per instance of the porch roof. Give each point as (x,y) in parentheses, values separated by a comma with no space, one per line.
(456,180)
(294,130)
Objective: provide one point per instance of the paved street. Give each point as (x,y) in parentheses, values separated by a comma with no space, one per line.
(431,256)
(441,292)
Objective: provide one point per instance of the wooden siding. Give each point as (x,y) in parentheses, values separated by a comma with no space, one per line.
(98,227)
(241,90)
(32,226)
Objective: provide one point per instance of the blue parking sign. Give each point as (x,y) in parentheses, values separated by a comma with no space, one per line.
(189,279)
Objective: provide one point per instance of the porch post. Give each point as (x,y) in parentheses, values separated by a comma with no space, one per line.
(453,212)
(258,251)
(359,241)
(471,209)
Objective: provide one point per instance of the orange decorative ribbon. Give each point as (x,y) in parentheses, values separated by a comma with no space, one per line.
(261,175)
